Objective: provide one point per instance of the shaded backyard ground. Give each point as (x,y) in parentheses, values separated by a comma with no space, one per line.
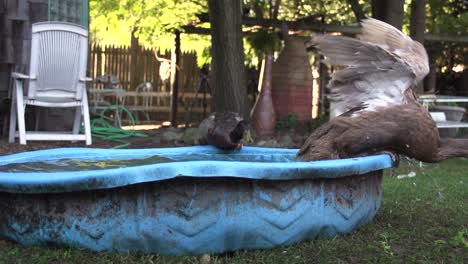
(136,142)
(422,219)
(162,137)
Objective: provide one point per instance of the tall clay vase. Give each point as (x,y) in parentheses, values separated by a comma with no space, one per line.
(263,113)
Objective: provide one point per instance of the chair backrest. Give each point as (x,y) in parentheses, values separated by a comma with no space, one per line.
(58,60)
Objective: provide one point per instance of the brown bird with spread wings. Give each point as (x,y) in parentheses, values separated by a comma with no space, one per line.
(374,90)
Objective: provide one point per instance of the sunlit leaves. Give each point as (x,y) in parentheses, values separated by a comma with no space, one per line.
(447,16)
(153,20)
(334,12)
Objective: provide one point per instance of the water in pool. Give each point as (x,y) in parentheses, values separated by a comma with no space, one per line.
(65,164)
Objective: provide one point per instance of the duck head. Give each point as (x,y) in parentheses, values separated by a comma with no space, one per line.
(241,133)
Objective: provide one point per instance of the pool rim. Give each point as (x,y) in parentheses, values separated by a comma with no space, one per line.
(45,182)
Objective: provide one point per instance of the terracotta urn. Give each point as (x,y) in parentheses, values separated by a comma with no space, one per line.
(263,113)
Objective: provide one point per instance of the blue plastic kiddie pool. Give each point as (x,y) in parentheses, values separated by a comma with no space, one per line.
(186,200)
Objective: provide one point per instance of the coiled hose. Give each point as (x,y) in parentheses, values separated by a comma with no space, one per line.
(102,129)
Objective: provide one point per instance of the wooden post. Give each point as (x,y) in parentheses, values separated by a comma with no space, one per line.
(85,13)
(134,46)
(465,75)
(175,80)
(322,83)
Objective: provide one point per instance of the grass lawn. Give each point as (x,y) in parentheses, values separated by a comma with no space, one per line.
(422,219)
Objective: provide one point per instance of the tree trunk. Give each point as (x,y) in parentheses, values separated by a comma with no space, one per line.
(395,13)
(276,9)
(417,20)
(417,27)
(378,9)
(390,11)
(357,10)
(228,70)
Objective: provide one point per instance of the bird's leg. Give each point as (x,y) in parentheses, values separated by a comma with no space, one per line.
(247,137)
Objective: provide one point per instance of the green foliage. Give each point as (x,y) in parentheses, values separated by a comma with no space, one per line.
(385,243)
(286,123)
(335,12)
(461,238)
(447,16)
(263,41)
(201,44)
(153,22)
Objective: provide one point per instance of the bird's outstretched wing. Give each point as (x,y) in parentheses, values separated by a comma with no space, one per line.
(378,67)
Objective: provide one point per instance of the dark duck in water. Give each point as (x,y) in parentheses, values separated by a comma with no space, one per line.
(224,130)
(374,90)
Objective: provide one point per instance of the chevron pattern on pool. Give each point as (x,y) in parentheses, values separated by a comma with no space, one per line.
(188,215)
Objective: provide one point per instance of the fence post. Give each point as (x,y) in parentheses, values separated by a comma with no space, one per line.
(98,53)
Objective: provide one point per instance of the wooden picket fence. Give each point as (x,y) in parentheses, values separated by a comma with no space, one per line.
(133,66)
(145,67)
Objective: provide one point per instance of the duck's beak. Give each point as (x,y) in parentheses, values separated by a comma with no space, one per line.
(247,137)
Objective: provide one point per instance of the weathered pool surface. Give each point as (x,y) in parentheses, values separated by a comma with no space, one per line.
(187,207)
(69,164)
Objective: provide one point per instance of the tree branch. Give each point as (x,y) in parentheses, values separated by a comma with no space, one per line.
(357,9)
(257,9)
(276,9)
(301,25)
(318,27)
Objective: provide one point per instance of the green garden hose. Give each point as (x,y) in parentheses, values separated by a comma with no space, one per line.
(102,129)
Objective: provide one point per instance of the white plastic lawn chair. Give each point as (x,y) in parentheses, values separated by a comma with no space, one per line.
(57,78)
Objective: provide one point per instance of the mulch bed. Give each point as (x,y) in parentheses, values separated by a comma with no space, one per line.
(135,142)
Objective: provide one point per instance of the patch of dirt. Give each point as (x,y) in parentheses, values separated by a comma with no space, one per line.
(135,142)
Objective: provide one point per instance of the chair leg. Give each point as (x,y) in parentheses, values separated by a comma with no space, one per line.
(37,111)
(87,126)
(13,117)
(87,123)
(20,107)
(77,122)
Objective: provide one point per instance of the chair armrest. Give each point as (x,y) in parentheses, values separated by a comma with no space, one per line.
(18,75)
(86,79)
